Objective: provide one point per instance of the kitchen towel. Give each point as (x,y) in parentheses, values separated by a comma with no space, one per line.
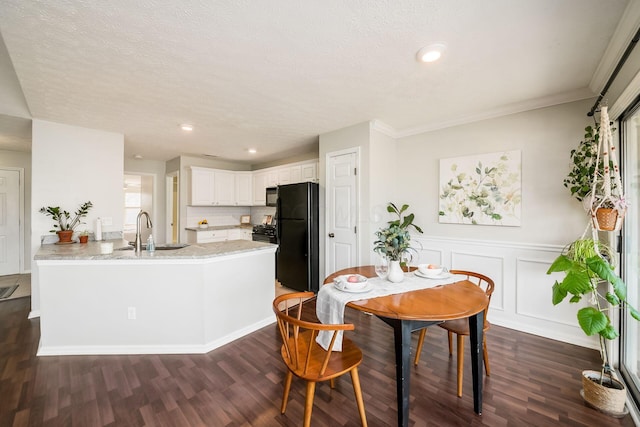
(331,301)
(98,234)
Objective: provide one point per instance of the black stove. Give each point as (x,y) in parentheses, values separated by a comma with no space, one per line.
(264,233)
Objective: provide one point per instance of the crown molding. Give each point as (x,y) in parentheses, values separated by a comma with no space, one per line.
(626,29)
(625,99)
(383,128)
(532,104)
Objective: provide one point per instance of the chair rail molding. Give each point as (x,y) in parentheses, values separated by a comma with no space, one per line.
(522,296)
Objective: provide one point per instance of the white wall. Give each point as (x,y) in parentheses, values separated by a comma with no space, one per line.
(383,182)
(71,165)
(22,160)
(545,137)
(515,257)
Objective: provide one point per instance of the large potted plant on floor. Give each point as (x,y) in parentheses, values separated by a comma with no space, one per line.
(589,273)
(64,223)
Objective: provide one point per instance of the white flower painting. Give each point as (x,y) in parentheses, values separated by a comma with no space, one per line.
(482,189)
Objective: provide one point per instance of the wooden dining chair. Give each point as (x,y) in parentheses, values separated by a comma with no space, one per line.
(308,360)
(460,327)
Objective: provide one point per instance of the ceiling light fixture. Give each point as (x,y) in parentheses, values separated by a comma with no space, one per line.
(252,151)
(137,156)
(431,53)
(186,127)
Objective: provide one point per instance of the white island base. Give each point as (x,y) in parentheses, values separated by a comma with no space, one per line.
(153,306)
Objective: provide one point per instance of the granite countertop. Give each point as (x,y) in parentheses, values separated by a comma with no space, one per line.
(91,251)
(220,227)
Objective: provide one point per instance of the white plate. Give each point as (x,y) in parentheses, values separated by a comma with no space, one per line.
(440,277)
(366,288)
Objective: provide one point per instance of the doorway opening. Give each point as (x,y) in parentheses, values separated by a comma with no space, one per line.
(138,195)
(172,210)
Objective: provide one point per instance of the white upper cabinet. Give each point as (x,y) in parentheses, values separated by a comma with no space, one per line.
(259,188)
(215,187)
(284,176)
(224,193)
(309,172)
(272,177)
(202,186)
(244,189)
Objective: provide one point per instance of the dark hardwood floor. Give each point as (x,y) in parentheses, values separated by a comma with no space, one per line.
(534,381)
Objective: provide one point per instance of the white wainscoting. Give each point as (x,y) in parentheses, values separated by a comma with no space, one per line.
(522,296)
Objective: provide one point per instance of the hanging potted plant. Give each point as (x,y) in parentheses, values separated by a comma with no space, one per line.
(65,224)
(588,271)
(594,178)
(394,241)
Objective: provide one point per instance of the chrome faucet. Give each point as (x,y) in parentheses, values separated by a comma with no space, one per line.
(138,242)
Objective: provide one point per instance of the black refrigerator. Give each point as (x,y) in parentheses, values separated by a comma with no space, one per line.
(297,264)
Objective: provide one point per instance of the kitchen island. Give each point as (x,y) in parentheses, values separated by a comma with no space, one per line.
(189,300)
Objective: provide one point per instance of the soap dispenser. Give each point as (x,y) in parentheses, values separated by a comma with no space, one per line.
(151,246)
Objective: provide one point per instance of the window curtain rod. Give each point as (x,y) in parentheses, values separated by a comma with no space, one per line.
(616,70)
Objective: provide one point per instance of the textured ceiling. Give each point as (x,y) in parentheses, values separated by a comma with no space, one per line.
(273,75)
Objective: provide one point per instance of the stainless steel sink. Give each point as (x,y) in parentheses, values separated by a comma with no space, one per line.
(165,247)
(168,246)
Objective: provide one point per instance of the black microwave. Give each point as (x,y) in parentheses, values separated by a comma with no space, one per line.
(272,196)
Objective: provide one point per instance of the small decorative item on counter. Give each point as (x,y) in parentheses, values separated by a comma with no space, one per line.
(151,246)
(204,223)
(106,248)
(83,236)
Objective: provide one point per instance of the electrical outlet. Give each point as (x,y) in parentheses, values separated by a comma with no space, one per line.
(131,313)
(107,220)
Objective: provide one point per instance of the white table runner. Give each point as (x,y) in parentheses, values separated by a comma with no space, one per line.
(331,301)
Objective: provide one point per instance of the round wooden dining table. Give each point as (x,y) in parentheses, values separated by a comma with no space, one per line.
(413,310)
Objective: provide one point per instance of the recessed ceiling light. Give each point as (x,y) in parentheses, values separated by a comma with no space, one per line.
(431,53)
(252,151)
(186,127)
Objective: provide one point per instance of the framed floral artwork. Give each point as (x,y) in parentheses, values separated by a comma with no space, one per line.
(484,189)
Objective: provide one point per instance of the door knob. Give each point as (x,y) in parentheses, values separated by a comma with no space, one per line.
(331,235)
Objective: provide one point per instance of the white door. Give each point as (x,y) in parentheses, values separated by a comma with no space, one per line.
(342,211)
(9,222)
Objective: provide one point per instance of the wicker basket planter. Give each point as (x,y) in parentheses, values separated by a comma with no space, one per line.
(609,397)
(608,219)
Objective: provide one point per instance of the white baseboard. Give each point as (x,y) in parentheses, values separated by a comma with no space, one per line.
(81,350)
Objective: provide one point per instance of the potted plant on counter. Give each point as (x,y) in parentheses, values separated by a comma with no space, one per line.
(394,241)
(588,269)
(64,223)
(83,236)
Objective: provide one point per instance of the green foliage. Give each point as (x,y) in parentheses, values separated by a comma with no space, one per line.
(585,264)
(394,241)
(583,159)
(63,219)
